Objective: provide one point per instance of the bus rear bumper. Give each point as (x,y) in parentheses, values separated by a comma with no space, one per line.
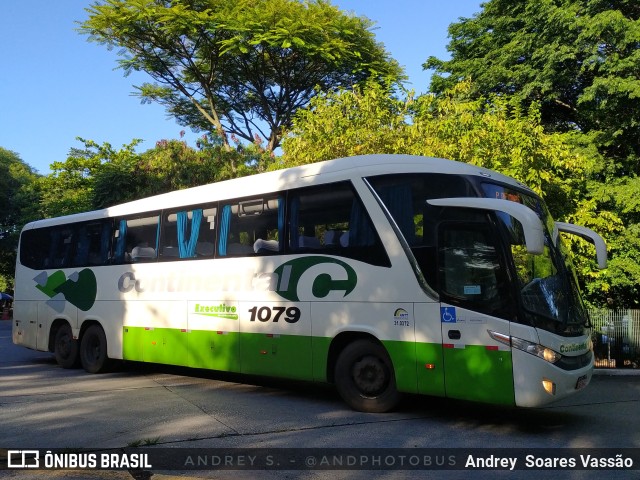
(538,382)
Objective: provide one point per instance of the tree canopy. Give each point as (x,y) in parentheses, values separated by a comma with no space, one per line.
(243,67)
(19,195)
(488,132)
(579,59)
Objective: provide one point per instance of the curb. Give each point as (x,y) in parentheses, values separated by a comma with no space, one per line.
(617,372)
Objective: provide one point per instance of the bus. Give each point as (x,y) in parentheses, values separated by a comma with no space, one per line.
(380,274)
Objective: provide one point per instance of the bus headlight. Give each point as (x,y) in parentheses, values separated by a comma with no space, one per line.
(541,351)
(535,349)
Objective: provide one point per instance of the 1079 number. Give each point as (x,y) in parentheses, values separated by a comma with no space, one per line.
(268,314)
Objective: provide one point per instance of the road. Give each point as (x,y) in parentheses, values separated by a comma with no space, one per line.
(45,406)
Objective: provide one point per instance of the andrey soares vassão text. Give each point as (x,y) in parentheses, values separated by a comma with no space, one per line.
(532,461)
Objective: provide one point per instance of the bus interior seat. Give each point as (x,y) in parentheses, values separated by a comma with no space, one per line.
(336,238)
(142,253)
(332,238)
(309,242)
(170,252)
(344,239)
(266,246)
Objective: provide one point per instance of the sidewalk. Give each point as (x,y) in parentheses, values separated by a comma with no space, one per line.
(617,371)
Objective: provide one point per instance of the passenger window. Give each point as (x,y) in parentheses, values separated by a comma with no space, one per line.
(251,227)
(60,247)
(34,248)
(135,239)
(188,234)
(93,244)
(405,198)
(471,274)
(332,220)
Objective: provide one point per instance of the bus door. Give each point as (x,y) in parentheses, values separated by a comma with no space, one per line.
(475,299)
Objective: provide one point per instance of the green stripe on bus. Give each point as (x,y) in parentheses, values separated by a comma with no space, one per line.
(253,353)
(474,365)
(403,358)
(430,367)
(419,368)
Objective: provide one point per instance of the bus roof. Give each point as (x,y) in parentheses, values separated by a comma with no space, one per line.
(295,177)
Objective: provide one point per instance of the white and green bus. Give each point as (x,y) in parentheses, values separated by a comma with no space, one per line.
(381,274)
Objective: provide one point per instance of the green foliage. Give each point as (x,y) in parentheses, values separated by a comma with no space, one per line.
(579,59)
(239,67)
(612,209)
(488,132)
(99,176)
(71,186)
(18,205)
(366,119)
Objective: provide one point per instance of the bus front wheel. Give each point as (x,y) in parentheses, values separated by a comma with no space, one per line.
(65,347)
(93,350)
(364,377)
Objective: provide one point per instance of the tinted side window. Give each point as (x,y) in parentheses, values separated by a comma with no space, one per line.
(93,241)
(136,239)
(73,245)
(188,233)
(332,220)
(61,243)
(34,248)
(405,196)
(252,226)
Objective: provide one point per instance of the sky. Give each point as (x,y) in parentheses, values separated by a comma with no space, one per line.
(56,86)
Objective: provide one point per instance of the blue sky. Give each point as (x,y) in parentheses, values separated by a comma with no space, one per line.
(56,86)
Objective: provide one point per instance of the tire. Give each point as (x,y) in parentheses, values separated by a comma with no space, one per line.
(65,348)
(93,350)
(365,379)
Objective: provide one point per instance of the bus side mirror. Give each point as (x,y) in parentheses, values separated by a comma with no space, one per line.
(531,223)
(588,235)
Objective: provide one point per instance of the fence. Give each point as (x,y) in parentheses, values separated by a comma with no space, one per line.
(616,338)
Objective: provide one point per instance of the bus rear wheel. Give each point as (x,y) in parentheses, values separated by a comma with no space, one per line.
(65,347)
(364,377)
(93,350)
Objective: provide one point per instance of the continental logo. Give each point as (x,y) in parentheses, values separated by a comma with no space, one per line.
(79,289)
(217,311)
(343,278)
(574,347)
(299,279)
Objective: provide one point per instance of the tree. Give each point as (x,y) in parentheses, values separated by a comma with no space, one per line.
(71,185)
(239,67)
(579,59)
(170,165)
(488,132)
(612,209)
(18,205)
(99,176)
(343,123)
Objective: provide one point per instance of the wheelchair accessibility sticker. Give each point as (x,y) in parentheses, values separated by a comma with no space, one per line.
(448,314)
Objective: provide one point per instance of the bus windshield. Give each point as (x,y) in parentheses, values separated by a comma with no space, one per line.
(547,283)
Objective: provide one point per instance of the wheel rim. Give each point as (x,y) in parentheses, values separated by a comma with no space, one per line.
(370,375)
